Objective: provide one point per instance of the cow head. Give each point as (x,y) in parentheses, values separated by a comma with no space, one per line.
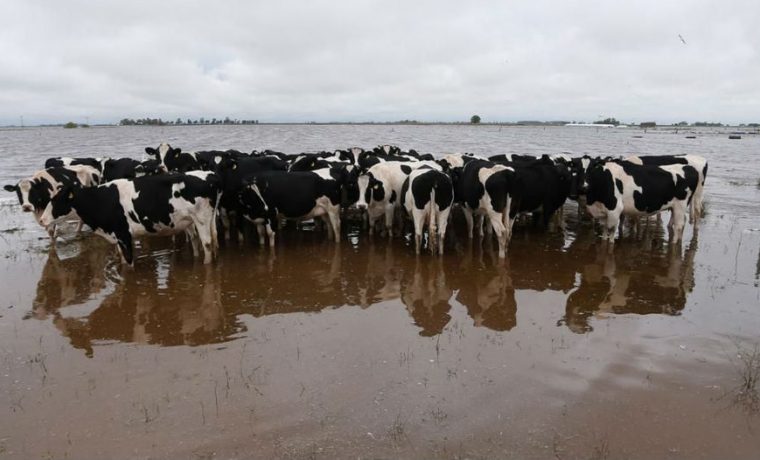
(161,154)
(251,198)
(351,185)
(33,194)
(22,192)
(579,169)
(148,168)
(370,189)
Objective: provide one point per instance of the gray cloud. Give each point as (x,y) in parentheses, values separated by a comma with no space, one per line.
(364,60)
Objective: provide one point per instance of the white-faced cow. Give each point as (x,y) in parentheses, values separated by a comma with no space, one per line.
(623,188)
(34,193)
(123,210)
(427,196)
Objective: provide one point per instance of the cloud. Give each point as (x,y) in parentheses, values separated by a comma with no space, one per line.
(365,60)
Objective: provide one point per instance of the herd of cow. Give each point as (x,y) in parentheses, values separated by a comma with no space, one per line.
(198,192)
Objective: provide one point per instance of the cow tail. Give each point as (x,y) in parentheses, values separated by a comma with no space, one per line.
(433,219)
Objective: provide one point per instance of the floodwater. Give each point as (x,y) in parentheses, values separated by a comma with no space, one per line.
(567,349)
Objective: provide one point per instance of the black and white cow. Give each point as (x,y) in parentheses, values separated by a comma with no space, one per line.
(540,186)
(124,209)
(58,162)
(314,161)
(699,163)
(148,168)
(367,159)
(622,188)
(34,193)
(485,189)
(350,155)
(174,159)
(121,168)
(234,173)
(427,196)
(299,195)
(457,160)
(380,189)
(511,158)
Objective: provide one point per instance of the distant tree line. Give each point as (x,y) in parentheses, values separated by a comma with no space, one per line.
(607,121)
(188,121)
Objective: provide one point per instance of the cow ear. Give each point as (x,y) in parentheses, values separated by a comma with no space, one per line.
(10,188)
(150,150)
(177,150)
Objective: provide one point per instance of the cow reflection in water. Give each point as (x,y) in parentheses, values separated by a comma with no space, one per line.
(639,277)
(486,290)
(163,303)
(70,281)
(426,295)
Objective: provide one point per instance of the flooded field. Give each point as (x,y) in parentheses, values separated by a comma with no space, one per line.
(566,349)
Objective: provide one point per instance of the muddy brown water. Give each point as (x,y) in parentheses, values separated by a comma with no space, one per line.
(567,349)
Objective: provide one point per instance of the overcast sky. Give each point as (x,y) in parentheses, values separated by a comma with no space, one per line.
(365,60)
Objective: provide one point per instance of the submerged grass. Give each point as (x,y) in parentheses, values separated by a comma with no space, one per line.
(748,367)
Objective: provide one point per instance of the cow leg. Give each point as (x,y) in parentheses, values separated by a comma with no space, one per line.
(443,222)
(261,233)
(334,215)
(192,238)
(214,234)
(270,234)
(371,223)
(125,249)
(498,228)
(225,218)
(432,228)
(52,231)
(480,222)
(325,219)
(611,225)
(418,217)
(389,211)
(678,219)
(203,230)
(468,218)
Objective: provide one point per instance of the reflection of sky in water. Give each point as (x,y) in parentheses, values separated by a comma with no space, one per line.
(162,272)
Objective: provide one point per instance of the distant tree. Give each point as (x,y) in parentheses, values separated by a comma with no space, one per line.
(682,123)
(648,124)
(607,121)
(70,125)
(178,122)
(475,119)
(753,125)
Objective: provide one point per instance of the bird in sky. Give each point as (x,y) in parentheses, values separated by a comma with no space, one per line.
(682,40)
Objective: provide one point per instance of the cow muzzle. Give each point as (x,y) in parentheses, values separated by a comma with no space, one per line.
(27,208)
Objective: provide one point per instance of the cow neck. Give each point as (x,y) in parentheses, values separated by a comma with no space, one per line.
(88,204)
